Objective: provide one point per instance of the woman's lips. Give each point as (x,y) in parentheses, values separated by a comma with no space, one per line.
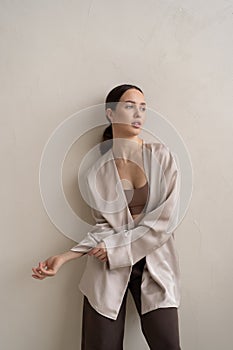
(136,124)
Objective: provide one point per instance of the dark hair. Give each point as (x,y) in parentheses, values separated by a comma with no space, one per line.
(111,101)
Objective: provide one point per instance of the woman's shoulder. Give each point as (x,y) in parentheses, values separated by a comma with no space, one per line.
(162,154)
(158,147)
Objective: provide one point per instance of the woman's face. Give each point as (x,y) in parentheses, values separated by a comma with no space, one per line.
(130,113)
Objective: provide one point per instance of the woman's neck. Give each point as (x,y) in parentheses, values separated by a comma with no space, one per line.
(128,149)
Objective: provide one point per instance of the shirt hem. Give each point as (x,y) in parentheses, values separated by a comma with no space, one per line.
(163,306)
(113,317)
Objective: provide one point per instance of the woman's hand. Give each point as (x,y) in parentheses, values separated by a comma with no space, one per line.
(48,268)
(100,252)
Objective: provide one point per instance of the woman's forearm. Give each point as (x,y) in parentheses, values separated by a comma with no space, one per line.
(70,255)
(50,266)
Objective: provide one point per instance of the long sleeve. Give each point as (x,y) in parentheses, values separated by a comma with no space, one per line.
(100,230)
(155,228)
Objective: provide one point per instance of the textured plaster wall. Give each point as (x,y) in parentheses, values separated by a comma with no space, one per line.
(58,57)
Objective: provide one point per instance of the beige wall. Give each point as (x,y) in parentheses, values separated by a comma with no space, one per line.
(58,57)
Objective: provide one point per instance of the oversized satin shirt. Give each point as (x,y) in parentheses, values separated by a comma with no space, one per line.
(105,283)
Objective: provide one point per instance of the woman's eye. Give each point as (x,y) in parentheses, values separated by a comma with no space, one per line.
(143,109)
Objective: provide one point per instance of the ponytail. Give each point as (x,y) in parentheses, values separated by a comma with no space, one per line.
(107,136)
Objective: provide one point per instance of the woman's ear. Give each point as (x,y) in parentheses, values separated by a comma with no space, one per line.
(109,114)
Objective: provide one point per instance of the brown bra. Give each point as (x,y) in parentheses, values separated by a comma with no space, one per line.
(138,199)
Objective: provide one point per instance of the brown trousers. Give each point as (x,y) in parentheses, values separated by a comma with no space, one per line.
(160,327)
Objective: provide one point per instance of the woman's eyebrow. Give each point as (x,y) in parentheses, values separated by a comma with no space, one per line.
(142,103)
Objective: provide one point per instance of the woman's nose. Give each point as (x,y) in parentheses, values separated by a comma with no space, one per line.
(138,112)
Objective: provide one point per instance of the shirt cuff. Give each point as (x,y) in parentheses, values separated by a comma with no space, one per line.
(118,251)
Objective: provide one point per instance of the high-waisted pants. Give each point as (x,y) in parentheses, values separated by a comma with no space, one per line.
(159,327)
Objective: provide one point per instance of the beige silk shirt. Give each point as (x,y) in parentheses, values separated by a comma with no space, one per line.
(105,283)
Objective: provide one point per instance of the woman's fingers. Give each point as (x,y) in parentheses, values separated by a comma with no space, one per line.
(97,251)
(42,264)
(100,246)
(103,258)
(100,253)
(46,272)
(40,272)
(47,268)
(38,278)
(37,274)
(44,268)
(93,251)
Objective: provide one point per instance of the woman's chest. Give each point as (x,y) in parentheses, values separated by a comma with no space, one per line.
(131,174)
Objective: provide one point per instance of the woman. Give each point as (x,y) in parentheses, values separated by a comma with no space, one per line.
(132,245)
